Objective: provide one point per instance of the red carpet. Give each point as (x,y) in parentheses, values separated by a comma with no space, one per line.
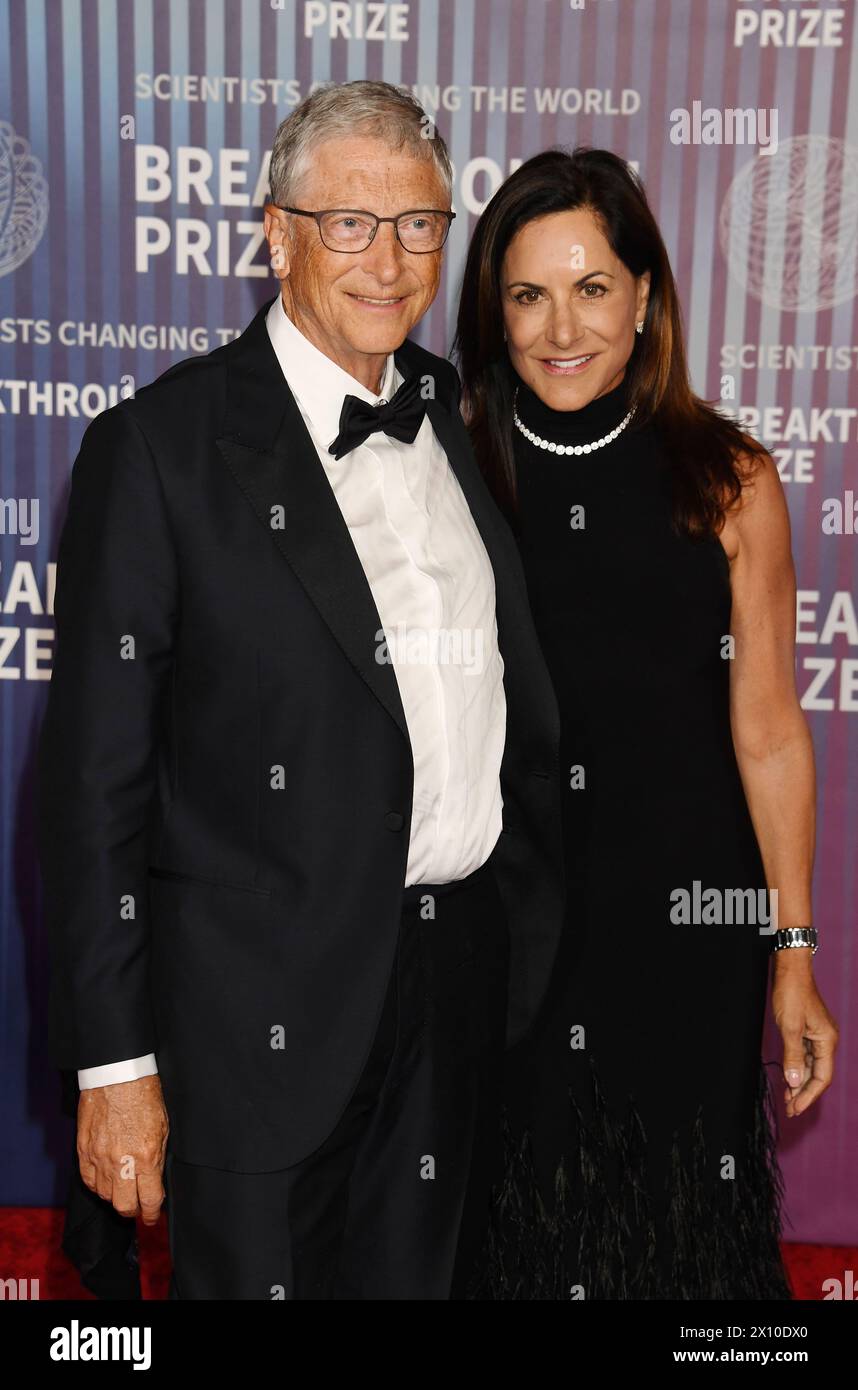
(30,1249)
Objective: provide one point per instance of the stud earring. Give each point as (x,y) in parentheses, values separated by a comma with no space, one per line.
(639,327)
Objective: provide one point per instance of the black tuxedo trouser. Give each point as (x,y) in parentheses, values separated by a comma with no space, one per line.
(393,1204)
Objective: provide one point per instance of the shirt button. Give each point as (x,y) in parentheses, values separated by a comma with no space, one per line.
(380,402)
(394,821)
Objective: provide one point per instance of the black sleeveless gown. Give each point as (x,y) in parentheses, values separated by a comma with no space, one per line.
(639,1144)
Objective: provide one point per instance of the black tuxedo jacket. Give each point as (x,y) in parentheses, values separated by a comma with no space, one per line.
(224,770)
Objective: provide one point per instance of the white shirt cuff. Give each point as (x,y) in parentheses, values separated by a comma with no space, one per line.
(113,1073)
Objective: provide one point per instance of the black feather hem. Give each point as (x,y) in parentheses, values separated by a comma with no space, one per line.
(712,1239)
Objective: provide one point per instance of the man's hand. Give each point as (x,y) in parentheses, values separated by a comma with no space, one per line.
(121,1144)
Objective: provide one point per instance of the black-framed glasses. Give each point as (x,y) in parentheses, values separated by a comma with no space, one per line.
(419,230)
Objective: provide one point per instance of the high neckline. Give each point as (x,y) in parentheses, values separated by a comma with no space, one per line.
(595,419)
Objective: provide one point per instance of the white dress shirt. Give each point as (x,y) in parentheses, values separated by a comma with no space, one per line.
(433,587)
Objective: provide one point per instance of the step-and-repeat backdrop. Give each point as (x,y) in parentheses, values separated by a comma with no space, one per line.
(134,145)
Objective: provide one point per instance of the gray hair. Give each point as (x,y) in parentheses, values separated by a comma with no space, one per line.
(340,109)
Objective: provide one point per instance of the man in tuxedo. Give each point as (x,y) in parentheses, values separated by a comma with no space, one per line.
(298,784)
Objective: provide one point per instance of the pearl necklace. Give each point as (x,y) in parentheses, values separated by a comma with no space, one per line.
(566,448)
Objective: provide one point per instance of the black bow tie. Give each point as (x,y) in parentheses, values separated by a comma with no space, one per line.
(402,417)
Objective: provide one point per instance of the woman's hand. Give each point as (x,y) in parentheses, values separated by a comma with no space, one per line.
(809,1032)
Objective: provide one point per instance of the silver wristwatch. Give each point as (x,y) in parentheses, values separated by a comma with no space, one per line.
(785,937)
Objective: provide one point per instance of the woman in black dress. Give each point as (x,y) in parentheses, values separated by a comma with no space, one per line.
(639,1143)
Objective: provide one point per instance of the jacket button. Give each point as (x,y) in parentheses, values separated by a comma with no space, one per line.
(394,821)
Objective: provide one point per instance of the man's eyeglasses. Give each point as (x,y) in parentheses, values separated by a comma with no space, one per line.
(419,230)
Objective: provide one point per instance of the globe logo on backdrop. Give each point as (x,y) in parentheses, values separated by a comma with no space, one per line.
(789,224)
(23,200)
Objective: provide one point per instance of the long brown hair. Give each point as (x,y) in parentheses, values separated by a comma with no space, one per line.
(703,446)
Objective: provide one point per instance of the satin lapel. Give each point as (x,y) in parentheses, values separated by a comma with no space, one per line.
(450,431)
(453,437)
(271,456)
(516,632)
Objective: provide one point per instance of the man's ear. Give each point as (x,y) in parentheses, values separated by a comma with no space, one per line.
(277,236)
